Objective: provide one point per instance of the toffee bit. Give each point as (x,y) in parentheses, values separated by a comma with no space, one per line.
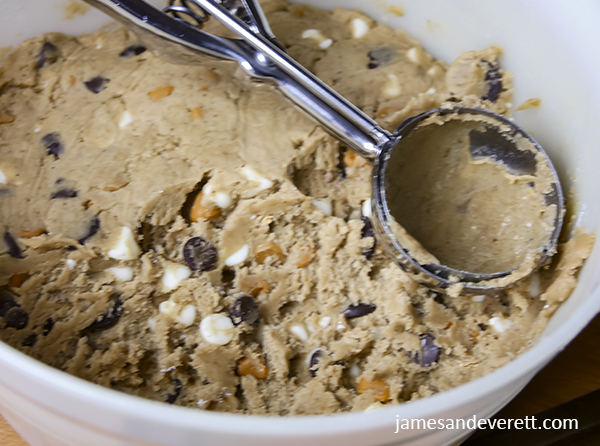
(177,386)
(47,56)
(358,310)
(133,50)
(109,318)
(97,84)
(64,193)
(93,229)
(53,144)
(14,250)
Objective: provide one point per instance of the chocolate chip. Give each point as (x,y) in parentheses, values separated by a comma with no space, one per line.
(244,309)
(48,326)
(14,250)
(367,231)
(64,193)
(380,56)
(7,301)
(16,318)
(54,145)
(313,362)
(97,84)
(29,340)
(47,56)
(177,386)
(429,353)
(494,80)
(199,254)
(358,310)
(109,318)
(93,229)
(133,50)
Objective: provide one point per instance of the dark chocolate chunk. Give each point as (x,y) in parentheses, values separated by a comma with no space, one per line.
(367,231)
(93,229)
(14,250)
(199,254)
(16,318)
(7,301)
(29,340)
(313,362)
(109,318)
(358,310)
(64,193)
(429,353)
(133,50)
(177,386)
(48,326)
(244,309)
(380,56)
(54,145)
(494,80)
(97,84)
(47,56)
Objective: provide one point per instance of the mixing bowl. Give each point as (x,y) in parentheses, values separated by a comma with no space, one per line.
(551,49)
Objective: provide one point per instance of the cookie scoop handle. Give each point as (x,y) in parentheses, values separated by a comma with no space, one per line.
(266,61)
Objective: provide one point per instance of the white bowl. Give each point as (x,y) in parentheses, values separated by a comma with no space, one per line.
(550,46)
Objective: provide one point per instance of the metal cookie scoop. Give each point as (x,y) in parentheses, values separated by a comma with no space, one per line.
(488,136)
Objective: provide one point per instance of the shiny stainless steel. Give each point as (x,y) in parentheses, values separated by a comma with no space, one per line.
(259,55)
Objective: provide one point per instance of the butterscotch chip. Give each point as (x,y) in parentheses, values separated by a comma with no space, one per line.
(200,212)
(306,257)
(254,286)
(160,93)
(17,279)
(252,366)
(30,234)
(6,117)
(266,250)
(352,159)
(379,387)
(196,113)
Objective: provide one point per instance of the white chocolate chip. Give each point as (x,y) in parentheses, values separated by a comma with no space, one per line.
(300,331)
(354,371)
(391,88)
(152,323)
(324,322)
(126,247)
(124,273)
(500,324)
(238,257)
(479,298)
(432,90)
(187,316)
(70,263)
(324,204)
(374,406)
(2,178)
(253,176)
(168,308)
(173,276)
(125,120)
(415,55)
(217,329)
(535,286)
(366,208)
(221,199)
(325,44)
(316,35)
(433,71)
(359,28)
(340,326)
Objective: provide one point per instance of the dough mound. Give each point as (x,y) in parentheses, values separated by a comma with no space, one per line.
(174,233)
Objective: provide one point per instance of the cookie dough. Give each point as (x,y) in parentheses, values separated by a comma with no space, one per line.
(173,233)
